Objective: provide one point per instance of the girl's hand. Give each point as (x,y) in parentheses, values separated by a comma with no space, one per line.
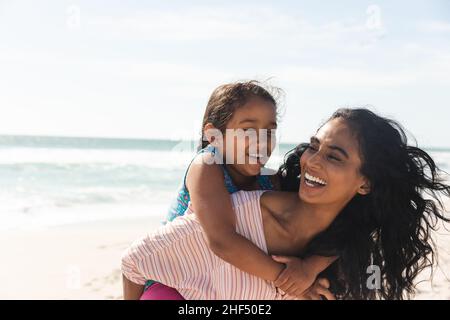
(296,278)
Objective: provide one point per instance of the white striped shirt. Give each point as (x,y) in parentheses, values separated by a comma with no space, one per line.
(178,256)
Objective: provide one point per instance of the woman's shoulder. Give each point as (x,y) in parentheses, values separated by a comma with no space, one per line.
(244,197)
(278,201)
(275,201)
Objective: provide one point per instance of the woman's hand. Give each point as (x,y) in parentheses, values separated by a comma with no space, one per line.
(318,291)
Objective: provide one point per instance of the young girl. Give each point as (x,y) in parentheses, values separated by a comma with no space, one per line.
(222,168)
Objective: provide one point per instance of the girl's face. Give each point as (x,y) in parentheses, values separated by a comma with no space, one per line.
(250,136)
(331,166)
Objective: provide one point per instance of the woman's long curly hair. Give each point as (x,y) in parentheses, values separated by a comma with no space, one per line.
(390,227)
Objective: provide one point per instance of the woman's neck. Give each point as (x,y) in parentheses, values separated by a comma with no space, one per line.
(308,220)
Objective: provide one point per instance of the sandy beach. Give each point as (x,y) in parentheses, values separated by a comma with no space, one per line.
(82,261)
(68,262)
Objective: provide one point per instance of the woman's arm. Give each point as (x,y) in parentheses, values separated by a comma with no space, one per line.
(212,205)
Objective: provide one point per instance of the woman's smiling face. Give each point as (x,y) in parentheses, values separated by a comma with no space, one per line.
(331,166)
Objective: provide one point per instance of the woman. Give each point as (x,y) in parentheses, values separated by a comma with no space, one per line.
(359,197)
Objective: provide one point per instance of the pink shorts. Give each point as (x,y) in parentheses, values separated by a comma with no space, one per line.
(158,291)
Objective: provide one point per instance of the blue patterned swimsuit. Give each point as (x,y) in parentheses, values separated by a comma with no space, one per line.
(181,202)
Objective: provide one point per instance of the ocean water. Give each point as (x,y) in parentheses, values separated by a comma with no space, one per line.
(46,181)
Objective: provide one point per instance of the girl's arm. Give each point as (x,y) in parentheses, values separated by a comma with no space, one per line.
(212,205)
(131,290)
(133,271)
(299,272)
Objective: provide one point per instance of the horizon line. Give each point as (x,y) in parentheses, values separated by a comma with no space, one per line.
(432,148)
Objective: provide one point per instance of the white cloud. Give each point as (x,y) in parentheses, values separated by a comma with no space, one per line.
(435,26)
(237,23)
(133,65)
(192,24)
(343,77)
(177,72)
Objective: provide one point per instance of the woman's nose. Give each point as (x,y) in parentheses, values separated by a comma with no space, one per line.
(314,161)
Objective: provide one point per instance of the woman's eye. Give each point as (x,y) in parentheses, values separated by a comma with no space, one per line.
(334,158)
(312,148)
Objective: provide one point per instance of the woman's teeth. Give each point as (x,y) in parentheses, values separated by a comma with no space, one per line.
(313,181)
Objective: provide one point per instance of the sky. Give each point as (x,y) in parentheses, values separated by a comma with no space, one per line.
(136,69)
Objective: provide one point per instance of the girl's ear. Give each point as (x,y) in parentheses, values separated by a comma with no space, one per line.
(364,189)
(210,132)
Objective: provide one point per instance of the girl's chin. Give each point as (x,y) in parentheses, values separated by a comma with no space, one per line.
(252,169)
